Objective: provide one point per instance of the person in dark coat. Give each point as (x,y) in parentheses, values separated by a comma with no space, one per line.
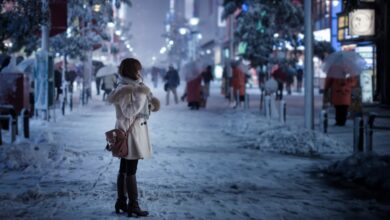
(194,92)
(155,73)
(207,76)
(172,81)
(58,82)
(299,79)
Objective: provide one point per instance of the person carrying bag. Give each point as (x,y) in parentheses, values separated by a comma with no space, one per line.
(133,103)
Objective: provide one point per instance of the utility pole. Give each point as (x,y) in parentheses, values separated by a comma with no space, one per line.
(42,91)
(309,104)
(231,55)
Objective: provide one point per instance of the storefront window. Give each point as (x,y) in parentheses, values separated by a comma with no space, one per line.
(368,76)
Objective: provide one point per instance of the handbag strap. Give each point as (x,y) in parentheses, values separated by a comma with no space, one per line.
(131,125)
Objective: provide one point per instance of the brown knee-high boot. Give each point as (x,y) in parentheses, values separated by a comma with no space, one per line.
(132,192)
(121,200)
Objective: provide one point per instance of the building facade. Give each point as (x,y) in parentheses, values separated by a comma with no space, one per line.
(363,26)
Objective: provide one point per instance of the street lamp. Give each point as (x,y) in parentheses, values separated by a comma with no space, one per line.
(97,7)
(183,31)
(194,21)
(110,24)
(163,50)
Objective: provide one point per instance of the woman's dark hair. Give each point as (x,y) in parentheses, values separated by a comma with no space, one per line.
(129,68)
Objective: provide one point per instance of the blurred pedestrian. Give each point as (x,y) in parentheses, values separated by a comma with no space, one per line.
(280,76)
(194,93)
(58,82)
(108,85)
(155,73)
(133,102)
(299,79)
(337,91)
(172,81)
(238,83)
(207,76)
(291,72)
(226,80)
(193,89)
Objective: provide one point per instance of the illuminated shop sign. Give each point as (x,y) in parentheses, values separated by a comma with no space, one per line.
(343,28)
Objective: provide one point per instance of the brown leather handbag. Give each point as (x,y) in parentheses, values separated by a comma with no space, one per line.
(117,142)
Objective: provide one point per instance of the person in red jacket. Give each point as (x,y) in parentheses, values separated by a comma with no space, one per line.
(238,82)
(339,90)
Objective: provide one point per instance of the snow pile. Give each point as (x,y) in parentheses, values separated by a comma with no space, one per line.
(370,169)
(33,154)
(271,135)
(298,141)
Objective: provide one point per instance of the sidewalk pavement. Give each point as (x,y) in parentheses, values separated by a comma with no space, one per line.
(295,110)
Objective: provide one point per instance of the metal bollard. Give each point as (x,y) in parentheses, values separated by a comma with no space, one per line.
(26,123)
(369,125)
(71,102)
(238,102)
(12,127)
(324,121)
(231,94)
(282,111)
(246,101)
(261,100)
(1,137)
(267,105)
(358,132)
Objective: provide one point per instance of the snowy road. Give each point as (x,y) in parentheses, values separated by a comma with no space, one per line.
(207,164)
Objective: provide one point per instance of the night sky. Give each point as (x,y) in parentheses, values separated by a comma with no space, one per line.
(147,17)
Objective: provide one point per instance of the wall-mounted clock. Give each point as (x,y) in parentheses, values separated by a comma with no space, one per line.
(362,22)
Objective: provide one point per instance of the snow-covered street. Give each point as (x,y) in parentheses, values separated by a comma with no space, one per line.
(215,163)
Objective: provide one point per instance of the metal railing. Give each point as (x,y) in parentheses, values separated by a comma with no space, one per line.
(9,115)
(324,121)
(268,109)
(364,130)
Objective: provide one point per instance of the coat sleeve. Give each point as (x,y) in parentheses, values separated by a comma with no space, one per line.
(132,104)
(154,103)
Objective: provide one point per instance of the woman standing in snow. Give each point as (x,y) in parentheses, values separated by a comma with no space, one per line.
(133,102)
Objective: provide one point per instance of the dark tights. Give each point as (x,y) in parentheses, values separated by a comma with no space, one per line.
(129,167)
(341,114)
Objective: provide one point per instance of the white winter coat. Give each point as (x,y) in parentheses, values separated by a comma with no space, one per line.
(132,100)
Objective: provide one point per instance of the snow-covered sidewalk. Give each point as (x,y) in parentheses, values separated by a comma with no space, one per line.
(216,163)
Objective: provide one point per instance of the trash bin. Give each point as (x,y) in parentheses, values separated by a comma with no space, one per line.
(15,91)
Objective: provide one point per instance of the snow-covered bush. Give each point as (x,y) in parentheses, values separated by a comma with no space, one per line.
(369,169)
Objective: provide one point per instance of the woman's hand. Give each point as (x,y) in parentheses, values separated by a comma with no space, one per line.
(154,104)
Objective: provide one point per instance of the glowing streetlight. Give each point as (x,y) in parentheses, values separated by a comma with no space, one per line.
(194,21)
(96,7)
(163,50)
(183,31)
(110,24)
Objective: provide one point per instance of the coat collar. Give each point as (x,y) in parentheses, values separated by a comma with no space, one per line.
(126,87)
(128,81)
